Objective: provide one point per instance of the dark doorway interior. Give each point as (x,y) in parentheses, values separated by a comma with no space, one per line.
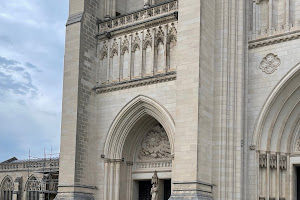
(144,190)
(167,189)
(298,183)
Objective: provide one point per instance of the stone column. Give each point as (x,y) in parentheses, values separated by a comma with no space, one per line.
(76,177)
(270,16)
(129,180)
(111,180)
(117,179)
(106,172)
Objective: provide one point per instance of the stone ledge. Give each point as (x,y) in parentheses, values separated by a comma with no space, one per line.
(274,39)
(159,78)
(190,195)
(74,196)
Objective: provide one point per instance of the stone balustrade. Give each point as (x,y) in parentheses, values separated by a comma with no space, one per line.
(139,16)
(36,164)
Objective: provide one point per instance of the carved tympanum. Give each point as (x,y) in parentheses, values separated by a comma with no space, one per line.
(270,63)
(155,145)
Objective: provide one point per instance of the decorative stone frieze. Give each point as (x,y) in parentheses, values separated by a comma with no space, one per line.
(160,78)
(273,161)
(263,160)
(270,63)
(283,162)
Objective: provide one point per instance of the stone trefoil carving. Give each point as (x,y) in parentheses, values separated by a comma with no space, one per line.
(172,35)
(136,43)
(263,161)
(155,146)
(159,36)
(270,63)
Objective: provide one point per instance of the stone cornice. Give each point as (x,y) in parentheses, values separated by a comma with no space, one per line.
(159,78)
(274,39)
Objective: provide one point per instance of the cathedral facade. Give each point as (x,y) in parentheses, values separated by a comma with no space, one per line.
(181,99)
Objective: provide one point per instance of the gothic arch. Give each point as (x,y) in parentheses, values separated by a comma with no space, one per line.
(7,185)
(278,122)
(128,116)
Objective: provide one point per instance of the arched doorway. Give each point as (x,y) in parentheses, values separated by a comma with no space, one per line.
(140,142)
(276,138)
(7,188)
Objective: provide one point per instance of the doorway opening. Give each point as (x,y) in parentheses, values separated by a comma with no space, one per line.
(144,188)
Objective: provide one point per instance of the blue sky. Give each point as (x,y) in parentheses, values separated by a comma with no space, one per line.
(32,34)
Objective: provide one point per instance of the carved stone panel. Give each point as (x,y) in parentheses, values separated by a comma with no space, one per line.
(270,63)
(282,162)
(298,145)
(273,161)
(263,160)
(155,146)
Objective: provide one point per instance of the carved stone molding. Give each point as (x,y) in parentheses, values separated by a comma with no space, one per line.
(136,43)
(263,160)
(104,51)
(274,39)
(114,49)
(298,145)
(148,40)
(159,37)
(8,185)
(160,78)
(172,35)
(273,161)
(125,45)
(155,145)
(283,162)
(270,63)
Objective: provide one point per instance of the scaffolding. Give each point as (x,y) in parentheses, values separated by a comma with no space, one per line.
(46,187)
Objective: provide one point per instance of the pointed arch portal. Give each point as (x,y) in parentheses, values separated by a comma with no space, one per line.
(139,142)
(276,139)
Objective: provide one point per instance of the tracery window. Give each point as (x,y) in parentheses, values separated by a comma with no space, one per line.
(7,189)
(33,188)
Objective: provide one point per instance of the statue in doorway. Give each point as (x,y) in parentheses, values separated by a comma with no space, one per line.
(154,189)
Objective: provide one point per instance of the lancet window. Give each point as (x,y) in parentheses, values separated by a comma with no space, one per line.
(7,189)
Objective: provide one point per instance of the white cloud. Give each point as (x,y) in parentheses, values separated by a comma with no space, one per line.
(31,85)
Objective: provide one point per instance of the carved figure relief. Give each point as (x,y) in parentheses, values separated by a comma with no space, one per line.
(155,145)
(270,63)
(263,160)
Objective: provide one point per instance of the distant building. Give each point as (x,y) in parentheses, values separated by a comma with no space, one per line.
(34,179)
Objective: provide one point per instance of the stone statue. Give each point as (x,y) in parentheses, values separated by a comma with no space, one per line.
(154,192)
(154,189)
